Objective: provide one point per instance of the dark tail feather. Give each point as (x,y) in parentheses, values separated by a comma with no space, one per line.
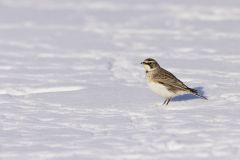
(195,92)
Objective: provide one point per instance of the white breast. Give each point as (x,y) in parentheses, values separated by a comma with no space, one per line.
(161,90)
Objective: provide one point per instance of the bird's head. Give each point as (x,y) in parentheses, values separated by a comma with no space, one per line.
(150,64)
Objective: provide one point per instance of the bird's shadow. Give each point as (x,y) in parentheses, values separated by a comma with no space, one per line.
(187,97)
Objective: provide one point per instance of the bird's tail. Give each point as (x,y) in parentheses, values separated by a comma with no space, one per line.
(195,92)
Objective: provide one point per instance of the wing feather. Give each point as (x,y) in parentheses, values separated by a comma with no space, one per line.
(170,80)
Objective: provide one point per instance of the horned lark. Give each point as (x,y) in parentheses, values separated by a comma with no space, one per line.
(165,83)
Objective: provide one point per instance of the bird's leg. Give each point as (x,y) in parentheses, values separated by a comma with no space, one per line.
(165,102)
(168,100)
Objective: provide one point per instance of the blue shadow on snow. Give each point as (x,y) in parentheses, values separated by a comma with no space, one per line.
(187,97)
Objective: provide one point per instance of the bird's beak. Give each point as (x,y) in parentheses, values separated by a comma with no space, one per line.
(142,62)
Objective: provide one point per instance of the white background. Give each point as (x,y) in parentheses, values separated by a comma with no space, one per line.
(72,87)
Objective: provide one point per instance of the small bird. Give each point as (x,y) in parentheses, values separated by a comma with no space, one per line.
(165,83)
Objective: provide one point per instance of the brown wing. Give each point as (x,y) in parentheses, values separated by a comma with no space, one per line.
(170,80)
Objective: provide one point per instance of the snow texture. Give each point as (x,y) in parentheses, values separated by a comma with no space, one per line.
(72,87)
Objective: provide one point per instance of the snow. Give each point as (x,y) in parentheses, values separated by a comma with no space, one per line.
(72,86)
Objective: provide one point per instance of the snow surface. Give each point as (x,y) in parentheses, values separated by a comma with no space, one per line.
(72,87)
